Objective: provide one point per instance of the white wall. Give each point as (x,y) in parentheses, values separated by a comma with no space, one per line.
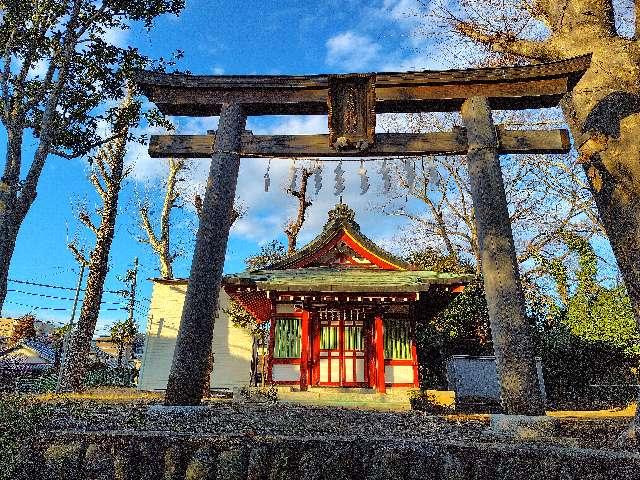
(231,346)
(398,374)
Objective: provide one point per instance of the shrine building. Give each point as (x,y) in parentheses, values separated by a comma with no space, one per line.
(342,312)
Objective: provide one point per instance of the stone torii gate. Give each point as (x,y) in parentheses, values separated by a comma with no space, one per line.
(351,103)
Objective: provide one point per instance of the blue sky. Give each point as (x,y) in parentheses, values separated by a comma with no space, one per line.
(252,37)
(217,37)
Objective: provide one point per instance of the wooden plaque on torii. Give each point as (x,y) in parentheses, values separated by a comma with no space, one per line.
(351,104)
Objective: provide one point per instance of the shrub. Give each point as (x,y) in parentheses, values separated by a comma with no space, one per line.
(425,401)
(20,420)
(587,374)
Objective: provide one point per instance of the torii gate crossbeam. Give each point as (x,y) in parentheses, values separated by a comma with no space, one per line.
(352,101)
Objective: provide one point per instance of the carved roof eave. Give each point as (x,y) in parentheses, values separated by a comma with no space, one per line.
(329,233)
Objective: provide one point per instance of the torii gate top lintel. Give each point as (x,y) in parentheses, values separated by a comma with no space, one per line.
(508,88)
(352,102)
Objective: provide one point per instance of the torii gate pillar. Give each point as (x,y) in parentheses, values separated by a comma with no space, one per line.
(512,335)
(193,346)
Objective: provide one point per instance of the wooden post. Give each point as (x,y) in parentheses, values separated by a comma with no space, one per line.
(193,345)
(272,346)
(512,335)
(304,351)
(414,351)
(379,339)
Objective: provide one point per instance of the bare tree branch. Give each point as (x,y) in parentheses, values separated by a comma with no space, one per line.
(504,43)
(79,256)
(293,228)
(86,220)
(95,181)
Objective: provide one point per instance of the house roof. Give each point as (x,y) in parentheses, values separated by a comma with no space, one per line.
(44,353)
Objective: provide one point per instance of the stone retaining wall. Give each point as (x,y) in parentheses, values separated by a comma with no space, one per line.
(170,456)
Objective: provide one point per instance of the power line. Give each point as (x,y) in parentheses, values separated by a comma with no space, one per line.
(39,294)
(61,309)
(55,297)
(59,287)
(37,308)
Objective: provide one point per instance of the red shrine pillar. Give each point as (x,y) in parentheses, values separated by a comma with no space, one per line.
(304,350)
(379,349)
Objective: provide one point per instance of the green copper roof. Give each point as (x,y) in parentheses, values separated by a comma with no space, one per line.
(354,280)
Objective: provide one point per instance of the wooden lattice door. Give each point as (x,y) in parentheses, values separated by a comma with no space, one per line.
(342,356)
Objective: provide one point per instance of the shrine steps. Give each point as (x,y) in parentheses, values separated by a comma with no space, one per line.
(361,398)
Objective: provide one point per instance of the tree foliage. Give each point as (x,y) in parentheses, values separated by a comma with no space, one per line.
(269,254)
(590,340)
(243,319)
(432,259)
(23,329)
(59,71)
(462,328)
(123,333)
(591,311)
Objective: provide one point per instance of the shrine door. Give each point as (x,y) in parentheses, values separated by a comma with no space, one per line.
(342,356)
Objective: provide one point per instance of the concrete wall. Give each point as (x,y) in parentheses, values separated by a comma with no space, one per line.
(231,346)
(149,455)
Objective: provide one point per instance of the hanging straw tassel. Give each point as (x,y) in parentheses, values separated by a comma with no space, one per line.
(267,179)
(386,177)
(434,175)
(410,173)
(293,176)
(364,179)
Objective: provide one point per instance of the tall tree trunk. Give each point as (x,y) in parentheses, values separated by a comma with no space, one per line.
(9,223)
(16,198)
(80,344)
(8,236)
(193,345)
(111,155)
(161,245)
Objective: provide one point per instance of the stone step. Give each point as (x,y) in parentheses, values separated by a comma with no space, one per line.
(363,398)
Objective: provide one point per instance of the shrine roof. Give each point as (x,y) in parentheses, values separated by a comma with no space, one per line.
(341,223)
(326,279)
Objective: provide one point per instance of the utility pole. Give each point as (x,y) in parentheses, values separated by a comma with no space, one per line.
(67,335)
(133,278)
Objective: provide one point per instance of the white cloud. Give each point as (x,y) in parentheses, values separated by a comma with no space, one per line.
(117,37)
(351,51)
(39,69)
(403,11)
